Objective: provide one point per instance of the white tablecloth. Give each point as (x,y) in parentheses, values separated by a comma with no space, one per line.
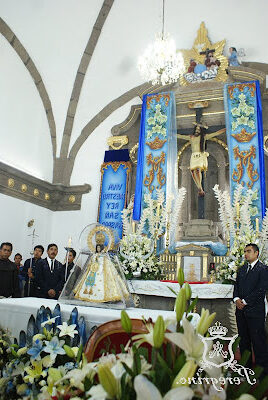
(202,290)
(15,313)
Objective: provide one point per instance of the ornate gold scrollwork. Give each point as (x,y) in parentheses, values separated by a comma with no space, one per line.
(156,144)
(155,163)
(117,142)
(241,86)
(245,160)
(244,136)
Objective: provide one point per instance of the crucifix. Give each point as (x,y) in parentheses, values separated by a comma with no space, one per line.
(207,51)
(199,157)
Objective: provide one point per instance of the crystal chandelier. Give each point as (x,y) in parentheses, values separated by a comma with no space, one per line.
(160,62)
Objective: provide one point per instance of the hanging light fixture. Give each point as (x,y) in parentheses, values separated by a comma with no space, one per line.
(160,62)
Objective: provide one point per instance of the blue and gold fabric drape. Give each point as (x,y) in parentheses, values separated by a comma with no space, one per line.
(244,129)
(157,155)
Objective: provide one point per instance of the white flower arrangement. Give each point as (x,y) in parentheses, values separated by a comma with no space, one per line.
(136,249)
(238,228)
(138,258)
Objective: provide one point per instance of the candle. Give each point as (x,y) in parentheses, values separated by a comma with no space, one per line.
(158,209)
(237,210)
(133,226)
(257,225)
(69,242)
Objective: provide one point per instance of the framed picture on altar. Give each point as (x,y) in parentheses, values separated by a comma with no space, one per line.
(192,268)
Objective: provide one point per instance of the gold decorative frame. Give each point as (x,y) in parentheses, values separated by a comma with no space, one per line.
(95,231)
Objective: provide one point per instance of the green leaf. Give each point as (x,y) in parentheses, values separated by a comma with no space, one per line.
(179,363)
(169,357)
(245,357)
(87,384)
(164,364)
(173,291)
(79,354)
(129,370)
(14,353)
(261,388)
(136,363)
(192,305)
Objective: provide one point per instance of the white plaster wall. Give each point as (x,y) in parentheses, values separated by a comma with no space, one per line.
(15,215)
(55,34)
(25,142)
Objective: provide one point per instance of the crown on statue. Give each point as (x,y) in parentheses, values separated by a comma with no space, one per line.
(100,238)
(217,330)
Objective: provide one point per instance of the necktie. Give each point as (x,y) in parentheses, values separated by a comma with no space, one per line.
(52,266)
(249,268)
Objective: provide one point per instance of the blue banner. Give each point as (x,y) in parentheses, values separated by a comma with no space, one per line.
(157,155)
(244,129)
(113,194)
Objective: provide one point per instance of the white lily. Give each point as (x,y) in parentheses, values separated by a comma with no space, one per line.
(76,376)
(97,393)
(246,396)
(214,394)
(189,341)
(146,390)
(67,330)
(49,321)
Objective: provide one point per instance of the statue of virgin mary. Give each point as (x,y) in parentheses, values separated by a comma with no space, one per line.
(100,281)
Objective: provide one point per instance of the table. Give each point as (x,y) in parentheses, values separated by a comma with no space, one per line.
(15,313)
(202,290)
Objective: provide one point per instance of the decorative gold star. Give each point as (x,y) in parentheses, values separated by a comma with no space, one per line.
(202,43)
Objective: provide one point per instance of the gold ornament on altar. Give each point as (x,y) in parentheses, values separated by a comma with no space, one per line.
(117,142)
(205,57)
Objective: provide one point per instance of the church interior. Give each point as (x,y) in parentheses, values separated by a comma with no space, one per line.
(134,172)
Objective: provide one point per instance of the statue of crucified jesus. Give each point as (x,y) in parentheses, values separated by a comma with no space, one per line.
(199,157)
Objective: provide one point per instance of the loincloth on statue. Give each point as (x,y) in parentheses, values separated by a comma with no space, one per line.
(199,161)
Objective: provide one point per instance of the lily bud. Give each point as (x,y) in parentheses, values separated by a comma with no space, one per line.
(69,351)
(159,332)
(180,276)
(180,304)
(107,380)
(22,350)
(185,375)
(188,290)
(205,321)
(126,322)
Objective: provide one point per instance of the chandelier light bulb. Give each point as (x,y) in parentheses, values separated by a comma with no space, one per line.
(160,63)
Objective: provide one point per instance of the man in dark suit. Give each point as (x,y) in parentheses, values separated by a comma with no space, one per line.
(249,296)
(49,277)
(9,281)
(71,257)
(29,271)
